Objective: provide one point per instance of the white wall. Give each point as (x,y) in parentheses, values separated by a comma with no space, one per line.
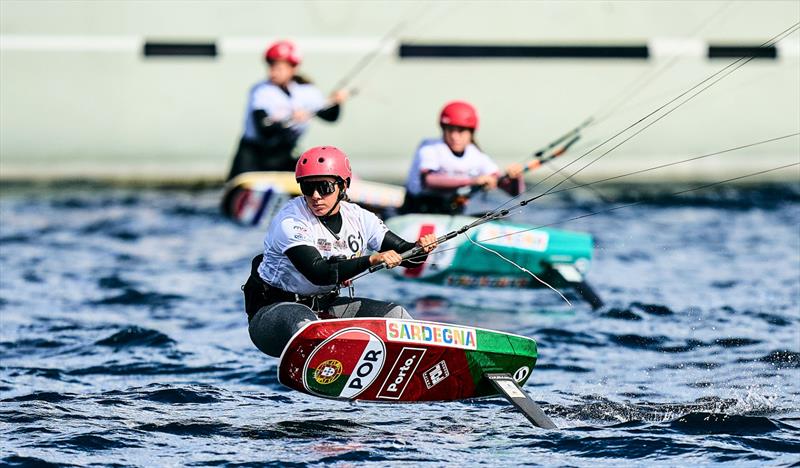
(78,98)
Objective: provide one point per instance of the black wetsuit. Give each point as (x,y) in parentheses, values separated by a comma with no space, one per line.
(449,201)
(272,150)
(275,315)
(434,201)
(317,269)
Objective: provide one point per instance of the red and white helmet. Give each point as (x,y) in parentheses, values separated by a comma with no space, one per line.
(459,114)
(324,161)
(283,50)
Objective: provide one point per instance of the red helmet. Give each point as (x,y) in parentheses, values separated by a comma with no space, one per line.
(283,50)
(459,114)
(324,161)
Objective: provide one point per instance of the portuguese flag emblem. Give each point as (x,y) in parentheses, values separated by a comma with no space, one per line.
(345,364)
(327,372)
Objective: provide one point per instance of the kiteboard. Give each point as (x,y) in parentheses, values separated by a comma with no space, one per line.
(395,361)
(557,257)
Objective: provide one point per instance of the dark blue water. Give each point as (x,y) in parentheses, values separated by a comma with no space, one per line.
(123,341)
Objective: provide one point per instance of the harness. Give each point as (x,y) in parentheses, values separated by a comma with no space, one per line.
(316,302)
(258,294)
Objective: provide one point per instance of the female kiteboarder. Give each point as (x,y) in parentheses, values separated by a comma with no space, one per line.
(314,245)
(278,111)
(446,169)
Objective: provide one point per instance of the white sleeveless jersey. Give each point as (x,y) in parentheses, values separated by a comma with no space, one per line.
(434,155)
(280,106)
(295,224)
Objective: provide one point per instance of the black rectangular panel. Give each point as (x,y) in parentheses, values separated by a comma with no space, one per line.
(766,52)
(176,49)
(464,51)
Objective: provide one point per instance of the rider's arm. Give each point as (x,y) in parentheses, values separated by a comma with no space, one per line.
(322,272)
(437,181)
(392,241)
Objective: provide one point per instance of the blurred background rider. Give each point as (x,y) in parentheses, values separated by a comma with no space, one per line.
(278,111)
(445,169)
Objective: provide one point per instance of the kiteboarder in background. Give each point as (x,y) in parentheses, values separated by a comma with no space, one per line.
(446,169)
(314,245)
(278,111)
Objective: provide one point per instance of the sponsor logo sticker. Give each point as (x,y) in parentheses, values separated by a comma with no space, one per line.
(366,370)
(401,373)
(439,334)
(328,371)
(435,374)
(345,364)
(521,374)
(510,236)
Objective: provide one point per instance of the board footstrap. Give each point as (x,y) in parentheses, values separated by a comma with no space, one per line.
(510,389)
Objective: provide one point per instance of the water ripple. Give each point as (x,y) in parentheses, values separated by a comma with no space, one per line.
(136,336)
(124,343)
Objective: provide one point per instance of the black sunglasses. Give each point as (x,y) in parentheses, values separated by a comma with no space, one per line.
(455,128)
(322,187)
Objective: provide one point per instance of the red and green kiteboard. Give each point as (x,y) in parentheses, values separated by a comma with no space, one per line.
(395,360)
